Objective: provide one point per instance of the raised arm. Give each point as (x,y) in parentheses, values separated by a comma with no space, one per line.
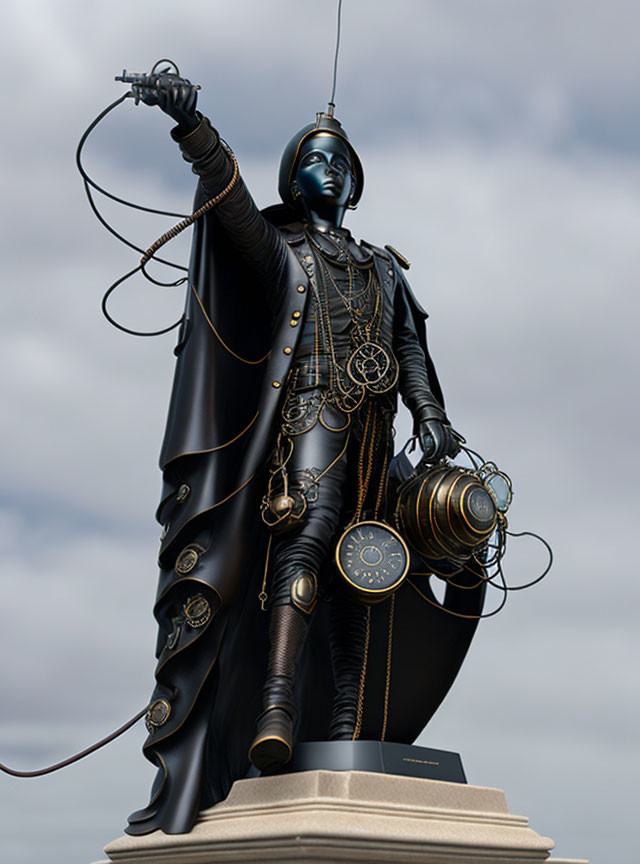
(260,243)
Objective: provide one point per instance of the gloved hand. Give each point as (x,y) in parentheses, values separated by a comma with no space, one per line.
(437,439)
(176,96)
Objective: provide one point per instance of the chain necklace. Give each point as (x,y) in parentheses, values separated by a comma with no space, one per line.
(370,368)
(357,314)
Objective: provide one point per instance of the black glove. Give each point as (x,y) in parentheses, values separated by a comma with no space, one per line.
(437,439)
(176,96)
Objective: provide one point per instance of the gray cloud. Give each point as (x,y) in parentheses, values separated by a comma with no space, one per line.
(500,143)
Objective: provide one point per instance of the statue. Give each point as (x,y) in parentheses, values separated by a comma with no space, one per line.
(295,344)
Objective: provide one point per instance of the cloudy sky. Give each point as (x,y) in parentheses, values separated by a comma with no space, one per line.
(501,145)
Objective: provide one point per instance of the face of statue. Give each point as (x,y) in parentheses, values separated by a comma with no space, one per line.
(324,175)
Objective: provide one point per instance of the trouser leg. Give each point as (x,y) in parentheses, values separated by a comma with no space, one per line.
(297,561)
(348,637)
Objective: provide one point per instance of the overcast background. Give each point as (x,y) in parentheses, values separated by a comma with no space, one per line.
(501,145)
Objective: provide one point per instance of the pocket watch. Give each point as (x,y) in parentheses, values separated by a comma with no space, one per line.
(373,558)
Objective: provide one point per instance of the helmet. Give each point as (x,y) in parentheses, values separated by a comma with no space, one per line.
(326,124)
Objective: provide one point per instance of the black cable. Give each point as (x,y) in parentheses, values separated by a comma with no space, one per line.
(153,281)
(124,329)
(499,571)
(443,608)
(90,183)
(547,568)
(124,240)
(471,453)
(335,59)
(81,754)
(129,94)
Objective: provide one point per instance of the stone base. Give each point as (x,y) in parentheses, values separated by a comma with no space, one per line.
(333,817)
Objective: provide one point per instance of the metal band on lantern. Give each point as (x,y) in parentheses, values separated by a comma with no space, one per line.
(446,512)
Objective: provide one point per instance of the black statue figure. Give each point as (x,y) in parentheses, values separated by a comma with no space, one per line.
(295,344)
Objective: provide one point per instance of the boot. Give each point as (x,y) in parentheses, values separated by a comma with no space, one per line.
(347,644)
(273,743)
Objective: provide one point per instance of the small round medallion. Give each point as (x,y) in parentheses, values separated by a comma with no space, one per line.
(197,611)
(157,715)
(368,364)
(373,368)
(187,560)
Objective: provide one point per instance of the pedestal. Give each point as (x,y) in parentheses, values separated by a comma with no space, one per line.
(332,817)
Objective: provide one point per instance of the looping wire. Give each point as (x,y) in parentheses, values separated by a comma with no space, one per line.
(148,254)
(128,330)
(489,559)
(85,176)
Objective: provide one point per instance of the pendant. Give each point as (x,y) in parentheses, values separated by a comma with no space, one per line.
(374,560)
(373,367)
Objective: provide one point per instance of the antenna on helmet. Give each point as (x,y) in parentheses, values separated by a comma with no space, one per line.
(331,107)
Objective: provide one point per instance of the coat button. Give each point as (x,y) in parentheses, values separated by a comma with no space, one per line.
(275,384)
(293,323)
(296,314)
(287,350)
(301,289)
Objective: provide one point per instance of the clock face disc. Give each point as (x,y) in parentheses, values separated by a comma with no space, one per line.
(373,558)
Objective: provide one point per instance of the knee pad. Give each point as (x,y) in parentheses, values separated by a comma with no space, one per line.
(303,591)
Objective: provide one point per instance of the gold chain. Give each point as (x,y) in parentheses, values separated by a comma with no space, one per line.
(348,304)
(262,596)
(387,686)
(361,492)
(382,484)
(363,678)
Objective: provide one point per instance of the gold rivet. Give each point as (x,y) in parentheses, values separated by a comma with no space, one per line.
(302,289)
(275,384)
(287,350)
(296,314)
(293,323)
